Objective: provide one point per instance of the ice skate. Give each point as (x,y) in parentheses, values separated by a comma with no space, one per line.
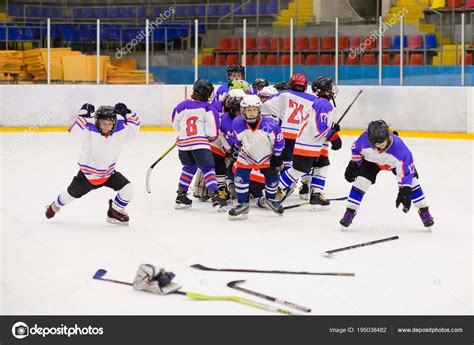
(218,202)
(116,217)
(182,200)
(273,205)
(347,218)
(318,202)
(426,217)
(51,210)
(304,191)
(241,211)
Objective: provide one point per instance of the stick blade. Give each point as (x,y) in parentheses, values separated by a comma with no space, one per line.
(200,267)
(99,274)
(147,180)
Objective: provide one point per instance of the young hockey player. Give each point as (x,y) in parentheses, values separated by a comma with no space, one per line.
(102,141)
(315,130)
(261,142)
(267,92)
(378,149)
(235,71)
(258,84)
(197,123)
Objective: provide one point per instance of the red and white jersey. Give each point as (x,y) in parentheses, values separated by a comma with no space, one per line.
(196,122)
(100,152)
(289,107)
(315,130)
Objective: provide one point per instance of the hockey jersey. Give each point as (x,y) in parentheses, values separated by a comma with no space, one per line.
(289,107)
(225,140)
(218,100)
(100,152)
(259,144)
(315,130)
(197,123)
(397,156)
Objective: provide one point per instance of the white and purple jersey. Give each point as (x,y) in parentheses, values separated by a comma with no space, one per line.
(259,144)
(224,142)
(397,156)
(197,123)
(218,101)
(289,107)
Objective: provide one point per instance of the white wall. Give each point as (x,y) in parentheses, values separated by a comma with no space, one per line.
(415,108)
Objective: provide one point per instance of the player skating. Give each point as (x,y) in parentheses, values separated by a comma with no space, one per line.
(102,141)
(378,149)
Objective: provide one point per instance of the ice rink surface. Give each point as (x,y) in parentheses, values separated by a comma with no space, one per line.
(47,265)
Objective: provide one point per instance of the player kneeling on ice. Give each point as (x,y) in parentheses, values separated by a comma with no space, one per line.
(378,149)
(102,141)
(260,141)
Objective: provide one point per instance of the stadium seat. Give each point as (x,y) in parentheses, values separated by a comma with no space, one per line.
(354,42)
(224,44)
(3,34)
(271,60)
(396,41)
(431,41)
(15,10)
(416,60)
(469,4)
(261,7)
(343,42)
(189,11)
(369,43)
(251,43)
(368,59)
(213,10)
(14,34)
(353,59)
(250,8)
(386,59)
(285,60)
(224,9)
(259,60)
(237,4)
(271,7)
(396,59)
(220,60)
(438,3)
(274,43)
(236,44)
(231,59)
(387,42)
(328,43)
(208,60)
(286,43)
(200,10)
(313,43)
(326,59)
(302,43)
(263,43)
(415,42)
(298,59)
(467,59)
(248,60)
(141,12)
(155,11)
(179,11)
(453,4)
(114,12)
(312,59)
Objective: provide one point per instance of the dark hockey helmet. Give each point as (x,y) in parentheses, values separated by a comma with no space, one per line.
(282,85)
(298,82)
(378,132)
(202,90)
(235,68)
(260,83)
(324,87)
(234,105)
(105,112)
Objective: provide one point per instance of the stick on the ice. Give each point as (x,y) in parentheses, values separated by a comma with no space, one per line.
(99,275)
(330,253)
(233,285)
(307,203)
(150,169)
(350,105)
(204,268)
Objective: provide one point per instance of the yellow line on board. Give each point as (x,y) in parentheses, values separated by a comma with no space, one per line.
(353,132)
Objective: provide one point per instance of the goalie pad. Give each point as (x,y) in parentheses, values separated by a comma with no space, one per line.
(158,281)
(199,188)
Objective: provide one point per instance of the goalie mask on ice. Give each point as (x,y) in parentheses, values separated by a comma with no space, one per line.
(154,280)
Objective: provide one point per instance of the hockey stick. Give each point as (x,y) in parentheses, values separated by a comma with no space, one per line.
(233,285)
(350,105)
(99,275)
(330,253)
(204,268)
(307,203)
(150,169)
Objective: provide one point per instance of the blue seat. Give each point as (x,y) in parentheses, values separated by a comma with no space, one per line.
(77,12)
(156,11)
(88,12)
(158,35)
(431,41)
(14,34)
(113,35)
(128,35)
(396,42)
(224,9)
(141,12)
(28,34)
(33,11)
(46,12)
(3,33)
(101,12)
(70,33)
(128,12)
(250,8)
(200,10)
(57,12)
(261,7)
(180,11)
(88,32)
(189,11)
(15,10)
(271,7)
(213,10)
(237,4)
(114,12)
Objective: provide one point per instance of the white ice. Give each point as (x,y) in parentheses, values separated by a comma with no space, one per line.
(47,265)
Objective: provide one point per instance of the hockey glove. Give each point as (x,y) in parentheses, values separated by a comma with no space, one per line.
(336,142)
(404,198)
(122,109)
(86,110)
(154,280)
(352,171)
(335,127)
(276,162)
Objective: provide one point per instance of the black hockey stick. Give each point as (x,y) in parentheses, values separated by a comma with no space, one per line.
(233,285)
(204,268)
(350,105)
(330,253)
(307,203)
(99,275)
(150,169)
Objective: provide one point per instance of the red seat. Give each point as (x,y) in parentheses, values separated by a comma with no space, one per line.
(354,42)
(236,44)
(313,43)
(251,43)
(370,43)
(274,43)
(387,42)
(263,43)
(343,42)
(220,60)
(353,59)
(231,59)
(396,59)
(298,59)
(386,59)
(328,43)
(468,59)
(224,44)
(259,60)
(326,59)
(208,60)
(454,4)
(415,42)
(469,4)
(248,60)
(271,60)
(416,60)
(312,59)
(302,43)
(369,59)
(286,43)
(285,60)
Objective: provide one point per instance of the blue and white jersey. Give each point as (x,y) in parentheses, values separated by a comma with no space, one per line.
(197,123)
(218,101)
(397,156)
(100,152)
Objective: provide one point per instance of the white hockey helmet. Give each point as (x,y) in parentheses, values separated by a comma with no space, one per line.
(267,92)
(250,101)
